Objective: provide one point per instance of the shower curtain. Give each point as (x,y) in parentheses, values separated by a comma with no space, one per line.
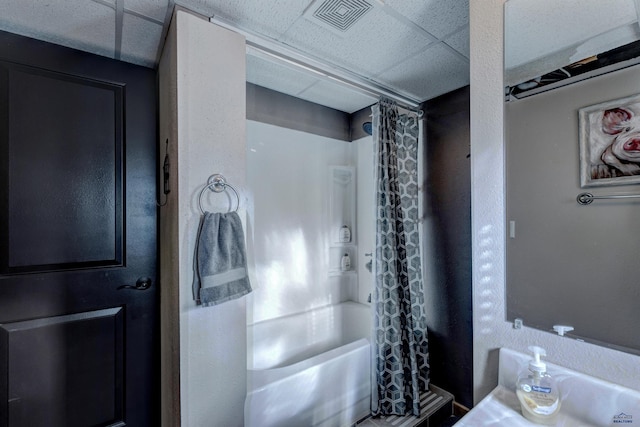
(400,348)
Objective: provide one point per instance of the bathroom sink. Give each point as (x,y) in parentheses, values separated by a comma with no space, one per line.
(586,401)
(501,408)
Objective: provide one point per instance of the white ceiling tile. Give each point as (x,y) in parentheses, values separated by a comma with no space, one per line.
(460,41)
(278,77)
(438,17)
(156,9)
(140,40)
(337,96)
(433,72)
(367,48)
(270,18)
(79,24)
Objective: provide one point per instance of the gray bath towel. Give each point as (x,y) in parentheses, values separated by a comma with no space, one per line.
(220,262)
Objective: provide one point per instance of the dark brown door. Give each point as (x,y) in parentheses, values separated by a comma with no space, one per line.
(78,294)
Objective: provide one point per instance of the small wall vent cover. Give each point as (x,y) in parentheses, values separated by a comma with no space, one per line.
(338,14)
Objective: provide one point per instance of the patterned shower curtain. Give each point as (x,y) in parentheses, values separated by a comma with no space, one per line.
(400,348)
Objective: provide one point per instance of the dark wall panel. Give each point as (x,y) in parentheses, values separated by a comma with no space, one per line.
(448,211)
(268,106)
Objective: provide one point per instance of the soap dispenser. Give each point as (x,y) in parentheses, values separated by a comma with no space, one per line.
(538,392)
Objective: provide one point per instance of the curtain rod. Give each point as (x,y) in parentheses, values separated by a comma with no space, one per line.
(276,50)
(416,110)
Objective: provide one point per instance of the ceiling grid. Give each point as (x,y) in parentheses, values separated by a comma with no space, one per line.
(117,51)
(415,48)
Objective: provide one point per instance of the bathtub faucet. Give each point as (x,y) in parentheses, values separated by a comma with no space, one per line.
(369,265)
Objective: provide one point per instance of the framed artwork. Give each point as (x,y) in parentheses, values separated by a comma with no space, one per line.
(610,143)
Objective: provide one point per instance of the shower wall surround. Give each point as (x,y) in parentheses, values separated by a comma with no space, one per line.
(366,218)
(289,235)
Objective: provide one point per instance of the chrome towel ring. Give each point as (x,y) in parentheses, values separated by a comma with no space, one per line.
(217,183)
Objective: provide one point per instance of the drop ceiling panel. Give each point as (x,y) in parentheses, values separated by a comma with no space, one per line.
(140,40)
(274,76)
(389,44)
(438,17)
(79,24)
(460,41)
(270,18)
(368,48)
(431,73)
(155,9)
(337,96)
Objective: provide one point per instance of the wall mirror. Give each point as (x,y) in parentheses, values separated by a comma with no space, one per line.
(572,92)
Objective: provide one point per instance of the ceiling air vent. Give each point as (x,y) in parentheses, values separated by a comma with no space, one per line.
(338,14)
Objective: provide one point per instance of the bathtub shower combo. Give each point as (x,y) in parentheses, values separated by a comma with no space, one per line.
(308,350)
(316,374)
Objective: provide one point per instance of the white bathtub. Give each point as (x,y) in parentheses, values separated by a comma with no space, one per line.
(310,369)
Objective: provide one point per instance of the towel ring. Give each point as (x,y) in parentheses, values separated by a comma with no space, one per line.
(217,183)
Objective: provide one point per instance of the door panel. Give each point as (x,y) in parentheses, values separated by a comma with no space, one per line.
(78,341)
(75,384)
(70,175)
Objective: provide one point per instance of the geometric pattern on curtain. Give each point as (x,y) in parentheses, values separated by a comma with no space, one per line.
(400,345)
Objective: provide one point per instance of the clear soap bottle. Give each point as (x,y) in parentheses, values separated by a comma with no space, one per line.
(538,392)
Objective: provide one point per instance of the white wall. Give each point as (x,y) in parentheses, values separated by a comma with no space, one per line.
(366,214)
(203,70)
(289,235)
(491,331)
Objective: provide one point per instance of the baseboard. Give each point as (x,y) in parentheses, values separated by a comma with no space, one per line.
(459,410)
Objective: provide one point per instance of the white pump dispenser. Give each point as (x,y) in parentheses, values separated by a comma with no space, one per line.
(537,365)
(537,391)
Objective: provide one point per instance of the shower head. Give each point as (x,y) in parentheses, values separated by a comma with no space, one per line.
(366,126)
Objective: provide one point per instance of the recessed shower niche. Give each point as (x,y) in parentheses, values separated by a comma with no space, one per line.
(342,219)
